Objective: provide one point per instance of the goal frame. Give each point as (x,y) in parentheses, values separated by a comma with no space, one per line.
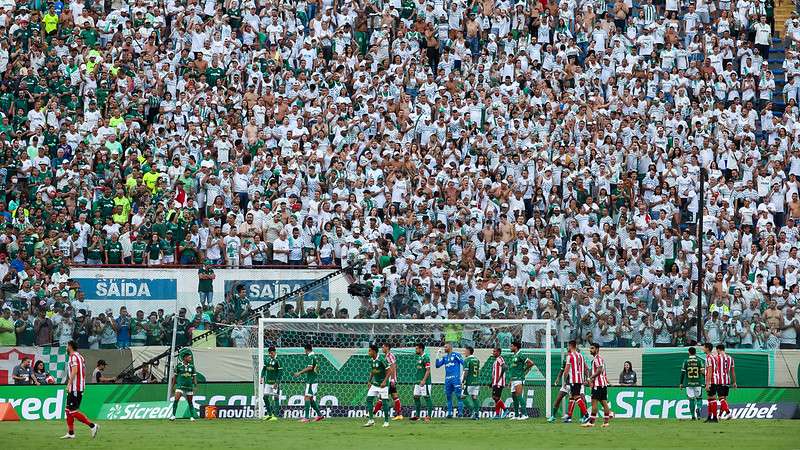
(263,321)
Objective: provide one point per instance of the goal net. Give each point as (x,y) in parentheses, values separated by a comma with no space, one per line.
(341,347)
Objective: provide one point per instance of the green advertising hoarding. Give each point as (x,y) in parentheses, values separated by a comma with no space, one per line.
(127,402)
(662,367)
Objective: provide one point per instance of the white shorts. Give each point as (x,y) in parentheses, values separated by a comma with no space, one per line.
(269,389)
(311,390)
(694,391)
(514,385)
(472,391)
(422,391)
(377,391)
(183,392)
(169,259)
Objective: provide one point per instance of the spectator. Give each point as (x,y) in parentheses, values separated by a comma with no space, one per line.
(7,329)
(40,375)
(146,375)
(97,374)
(43,329)
(628,376)
(123,327)
(24,329)
(22,372)
(560,143)
(205,285)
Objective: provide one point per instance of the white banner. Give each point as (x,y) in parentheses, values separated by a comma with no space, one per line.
(150,289)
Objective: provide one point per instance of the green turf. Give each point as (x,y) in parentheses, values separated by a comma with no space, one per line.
(406,435)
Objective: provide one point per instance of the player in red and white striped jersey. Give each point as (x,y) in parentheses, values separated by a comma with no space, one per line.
(599,382)
(576,368)
(392,361)
(499,369)
(76,383)
(711,383)
(724,375)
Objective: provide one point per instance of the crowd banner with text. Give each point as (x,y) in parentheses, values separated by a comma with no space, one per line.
(149,289)
(236,400)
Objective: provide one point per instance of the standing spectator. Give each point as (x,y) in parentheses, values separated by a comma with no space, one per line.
(123,327)
(628,376)
(788,330)
(139,330)
(763,37)
(155,331)
(281,249)
(65,328)
(7,331)
(108,333)
(240,335)
(43,329)
(24,329)
(205,284)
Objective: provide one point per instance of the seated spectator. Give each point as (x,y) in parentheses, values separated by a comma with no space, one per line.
(40,375)
(22,372)
(628,376)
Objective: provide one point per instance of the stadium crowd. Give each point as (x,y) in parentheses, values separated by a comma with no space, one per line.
(470,158)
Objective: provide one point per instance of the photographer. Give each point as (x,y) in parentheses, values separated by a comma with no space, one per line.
(732,327)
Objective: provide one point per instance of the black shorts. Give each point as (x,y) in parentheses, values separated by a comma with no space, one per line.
(392,388)
(575,389)
(74,400)
(712,390)
(497,391)
(722,390)
(600,393)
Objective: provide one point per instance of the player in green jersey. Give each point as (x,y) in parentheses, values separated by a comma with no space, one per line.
(692,373)
(310,396)
(184,380)
(271,377)
(520,365)
(472,368)
(422,388)
(378,383)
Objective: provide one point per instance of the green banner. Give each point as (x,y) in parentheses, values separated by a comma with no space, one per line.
(143,401)
(663,367)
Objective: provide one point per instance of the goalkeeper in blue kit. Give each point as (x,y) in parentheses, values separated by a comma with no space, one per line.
(452,362)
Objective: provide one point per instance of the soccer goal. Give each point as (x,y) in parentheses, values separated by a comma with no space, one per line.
(343,363)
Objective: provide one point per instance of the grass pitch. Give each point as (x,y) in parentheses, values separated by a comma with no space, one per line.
(439,434)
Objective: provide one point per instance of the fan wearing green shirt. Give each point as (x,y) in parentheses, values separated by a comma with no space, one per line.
(114,250)
(311,371)
(520,365)
(472,368)
(378,383)
(139,250)
(271,377)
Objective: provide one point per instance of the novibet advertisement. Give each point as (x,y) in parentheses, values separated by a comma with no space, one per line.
(236,401)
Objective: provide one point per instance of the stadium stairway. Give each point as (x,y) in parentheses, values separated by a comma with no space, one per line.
(776,57)
(776,53)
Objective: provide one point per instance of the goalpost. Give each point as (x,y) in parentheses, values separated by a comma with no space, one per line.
(341,346)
